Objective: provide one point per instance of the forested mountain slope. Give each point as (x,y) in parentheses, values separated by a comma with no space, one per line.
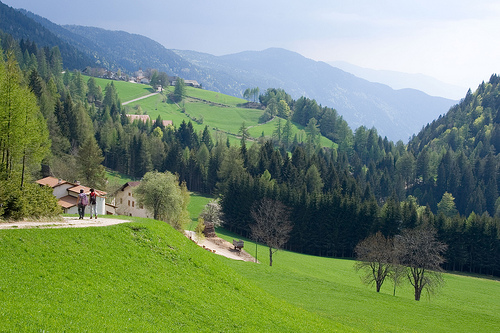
(396,114)
(20,27)
(459,153)
(121,50)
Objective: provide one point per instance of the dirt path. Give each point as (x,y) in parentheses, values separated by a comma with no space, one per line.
(220,246)
(66,222)
(138,99)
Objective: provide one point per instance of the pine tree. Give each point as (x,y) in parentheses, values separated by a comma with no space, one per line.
(89,159)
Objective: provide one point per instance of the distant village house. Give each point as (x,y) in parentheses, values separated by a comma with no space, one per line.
(189,83)
(126,203)
(67,194)
(144,118)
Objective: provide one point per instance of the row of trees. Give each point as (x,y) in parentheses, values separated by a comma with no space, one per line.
(415,255)
(24,144)
(251,93)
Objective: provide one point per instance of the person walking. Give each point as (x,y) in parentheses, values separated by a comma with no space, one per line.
(93,203)
(82,201)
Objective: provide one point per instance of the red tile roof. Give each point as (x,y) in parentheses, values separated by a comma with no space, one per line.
(67,201)
(144,118)
(51,181)
(76,189)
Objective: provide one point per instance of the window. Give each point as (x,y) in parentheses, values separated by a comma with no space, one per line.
(129,202)
(141,206)
(133,203)
(129,194)
(121,201)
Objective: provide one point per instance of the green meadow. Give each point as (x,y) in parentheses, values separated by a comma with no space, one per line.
(116,177)
(144,276)
(332,289)
(220,112)
(127,90)
(214,97)
(138,277)
(196,204)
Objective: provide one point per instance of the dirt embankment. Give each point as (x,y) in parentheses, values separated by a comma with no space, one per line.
(220,246)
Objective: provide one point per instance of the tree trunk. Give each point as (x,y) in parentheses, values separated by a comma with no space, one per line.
(270,256)
(418,292)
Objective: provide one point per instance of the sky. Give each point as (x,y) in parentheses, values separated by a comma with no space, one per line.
(455,41)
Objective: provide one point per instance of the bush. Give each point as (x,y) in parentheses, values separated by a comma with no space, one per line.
(32,201)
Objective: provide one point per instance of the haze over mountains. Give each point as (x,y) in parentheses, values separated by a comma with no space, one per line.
(398,80)
(397,114)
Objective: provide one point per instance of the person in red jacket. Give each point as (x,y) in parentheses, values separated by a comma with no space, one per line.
(93,203)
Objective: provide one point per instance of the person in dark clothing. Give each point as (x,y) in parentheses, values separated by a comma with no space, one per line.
(81,201)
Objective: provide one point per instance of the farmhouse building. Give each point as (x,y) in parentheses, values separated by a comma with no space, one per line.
(126,203)
(189,83)
(144,118)
(67,194)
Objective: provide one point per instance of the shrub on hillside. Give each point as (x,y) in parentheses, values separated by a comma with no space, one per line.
(32,201)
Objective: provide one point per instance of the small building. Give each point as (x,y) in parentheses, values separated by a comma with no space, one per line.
(126,203)
(192,83)
(189,83)
(144,118)
(67,194)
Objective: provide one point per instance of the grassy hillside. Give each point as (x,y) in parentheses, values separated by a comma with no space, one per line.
(141,276)
(127,90)
(220,112)
(196,204)
(332,289)
(144,276)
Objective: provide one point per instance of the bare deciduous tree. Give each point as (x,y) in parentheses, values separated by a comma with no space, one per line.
(272,225)
(422,253)
(376,257)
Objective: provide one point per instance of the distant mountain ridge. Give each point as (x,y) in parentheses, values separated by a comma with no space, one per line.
(398,80)
(397,114)
(20,26)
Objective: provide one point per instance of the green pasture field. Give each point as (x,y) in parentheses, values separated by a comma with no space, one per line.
(196,204)
(214,96)
(159,105)
(225,118)
(127,91)
(117,178)
(144,276)
(220,120)
(270,127)
(141,276)
(332,289)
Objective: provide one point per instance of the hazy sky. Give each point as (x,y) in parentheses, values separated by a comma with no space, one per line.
(455,41)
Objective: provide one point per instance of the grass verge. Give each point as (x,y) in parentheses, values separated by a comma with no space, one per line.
(141,276)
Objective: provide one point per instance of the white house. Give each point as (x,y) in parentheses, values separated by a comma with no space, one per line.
(126,203)
(67,194)
(144,118)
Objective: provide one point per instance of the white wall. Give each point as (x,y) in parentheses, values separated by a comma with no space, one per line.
(60,191)
(127,205)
